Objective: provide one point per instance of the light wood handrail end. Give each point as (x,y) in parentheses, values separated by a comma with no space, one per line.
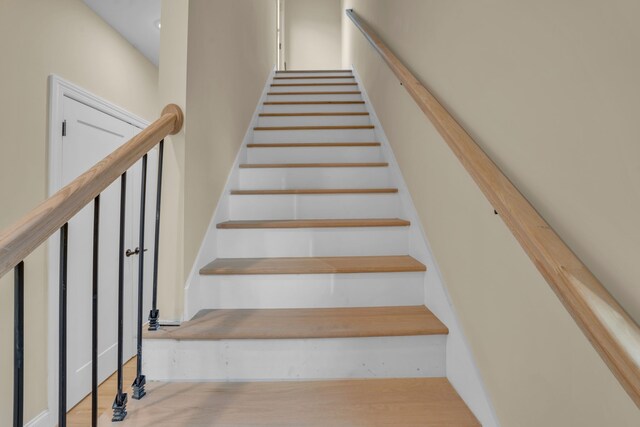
(179,120)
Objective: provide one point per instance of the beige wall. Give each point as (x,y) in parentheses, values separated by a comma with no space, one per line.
(231,50)
(173,89)
(38,38)
(312,34)
(549,89)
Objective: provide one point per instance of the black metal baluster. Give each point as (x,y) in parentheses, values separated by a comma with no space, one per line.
(120,402)
(18,346)
(94,309)
(139,383)
(62,329)
(155,313)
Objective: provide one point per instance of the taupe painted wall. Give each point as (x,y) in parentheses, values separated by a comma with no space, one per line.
(38,38)
(550,90)
(231,53)
(312,34)
(173,89)
(230,50)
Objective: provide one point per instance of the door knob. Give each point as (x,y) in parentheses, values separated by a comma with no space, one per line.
(136,251)
(129,252)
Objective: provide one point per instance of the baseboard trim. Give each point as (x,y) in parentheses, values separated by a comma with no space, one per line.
(41,420)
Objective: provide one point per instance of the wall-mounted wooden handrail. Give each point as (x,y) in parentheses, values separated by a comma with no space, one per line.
(34,228)
(613,333)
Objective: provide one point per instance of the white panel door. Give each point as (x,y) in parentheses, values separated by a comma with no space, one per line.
(90,136)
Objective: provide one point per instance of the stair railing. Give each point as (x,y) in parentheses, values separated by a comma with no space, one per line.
(53,215)
(609,328)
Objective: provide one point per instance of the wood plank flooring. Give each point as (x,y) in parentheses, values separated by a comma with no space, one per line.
(425,402)
(80,415)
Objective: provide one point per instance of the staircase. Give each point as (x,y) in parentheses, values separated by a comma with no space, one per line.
(312,312)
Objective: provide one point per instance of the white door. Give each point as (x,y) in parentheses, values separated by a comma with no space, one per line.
(91,135)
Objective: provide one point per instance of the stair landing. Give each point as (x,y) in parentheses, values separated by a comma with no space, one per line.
(426,402)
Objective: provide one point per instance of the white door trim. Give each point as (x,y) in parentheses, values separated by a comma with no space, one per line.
(58,89)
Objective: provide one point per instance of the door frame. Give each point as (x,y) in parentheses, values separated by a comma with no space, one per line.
(281,45)
(58,90)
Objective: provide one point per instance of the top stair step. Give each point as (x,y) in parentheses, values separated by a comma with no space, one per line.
(312,71)
(285,77)
(306,323)
(314,223)
(313,102)
(303,92)
(314,144)
(311,84)
(313,265)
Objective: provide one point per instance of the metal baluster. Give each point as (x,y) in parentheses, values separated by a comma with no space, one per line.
(120,403)
(140,381)
(62,329)
(18,346)
(155,313)
(94,309)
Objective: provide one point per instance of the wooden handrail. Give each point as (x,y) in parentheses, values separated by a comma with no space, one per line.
(33,229)
(613,333)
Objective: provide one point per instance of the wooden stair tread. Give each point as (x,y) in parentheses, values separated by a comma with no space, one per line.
(312,84)
(351,127)
(306,323)
(314,191)
(340,92)
(426,402)
(312,71)
(314,144)
(313,77)
(312,165)
(313,265)
(344,113)
(312,102)
(313,223)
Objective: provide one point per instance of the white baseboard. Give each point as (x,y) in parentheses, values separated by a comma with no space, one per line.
(41,420)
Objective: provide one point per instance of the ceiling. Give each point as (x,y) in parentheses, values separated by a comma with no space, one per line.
(136,20)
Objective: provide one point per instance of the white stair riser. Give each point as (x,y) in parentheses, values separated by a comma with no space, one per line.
(339,135)
(309,290)
(255,360)
(286,178)
(315,154)
(369,241)
(314,206)
(314,97)
(314,80)
(336,88)
(313,108)
(314,121)
(318,74)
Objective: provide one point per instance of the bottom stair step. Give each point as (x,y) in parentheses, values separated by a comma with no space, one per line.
(297,323)
(426,402)
(302,344)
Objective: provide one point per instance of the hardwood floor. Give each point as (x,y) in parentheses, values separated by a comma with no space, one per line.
(425,402)
(80,415)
